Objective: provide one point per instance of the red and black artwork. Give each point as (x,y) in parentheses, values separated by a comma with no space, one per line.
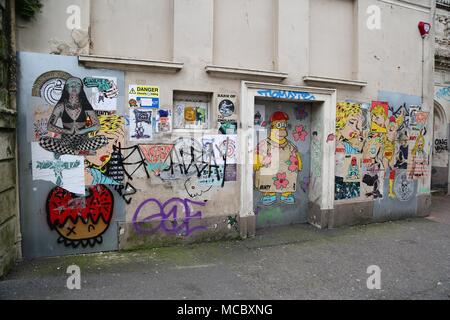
(80,220)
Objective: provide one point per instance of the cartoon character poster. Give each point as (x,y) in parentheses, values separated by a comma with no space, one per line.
(277,163)
(104,92)
(353,165)
(141,124)
(379,116)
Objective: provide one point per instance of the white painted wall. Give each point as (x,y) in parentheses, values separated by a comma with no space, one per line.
(133,28)
(50,27)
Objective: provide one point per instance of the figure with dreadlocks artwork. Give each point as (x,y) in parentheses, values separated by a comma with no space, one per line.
(78,119)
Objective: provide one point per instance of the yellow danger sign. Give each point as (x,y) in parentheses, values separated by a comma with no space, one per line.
(144,91)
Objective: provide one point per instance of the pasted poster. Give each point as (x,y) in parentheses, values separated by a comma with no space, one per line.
(404,187)
(418,120)
(49,86)
(104,93)
(226,104)
(353,165)
(105,166)
(141,124)
(379,116)
(41,114)
(222,146)
(143,96)
(373,168)
(65,171)
(351,126)
(190,114)
(418,158)
(156,156)
(228,126)
(163,121)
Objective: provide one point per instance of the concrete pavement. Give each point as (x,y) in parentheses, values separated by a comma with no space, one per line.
(292,262)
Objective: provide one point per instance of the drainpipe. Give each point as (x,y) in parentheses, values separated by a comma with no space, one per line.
(423,63)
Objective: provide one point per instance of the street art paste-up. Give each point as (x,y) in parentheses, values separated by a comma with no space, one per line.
(443,93)
(176,216)
(50,85)
(277,163)
(222,148)
(396,143)
(78,119)
(354,170)
(75,138)
(143,96)
(373,169)
(65,171)
(404,187)
(190,114)
(104,92)
(401,158)
(80,220)
(418,120)
(141,124)
(226,113)
(379,116)
(164,121)
(228,126)
(41,114)
(105,167)
(419,159)
(391,140)
(226,105)
(156,156)
(350,125)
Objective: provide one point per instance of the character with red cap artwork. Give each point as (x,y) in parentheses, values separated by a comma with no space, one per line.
(277,163)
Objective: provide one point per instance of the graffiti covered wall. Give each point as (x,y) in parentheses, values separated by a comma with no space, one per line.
(70,120)
(441,148)
(104,169)
(382,153)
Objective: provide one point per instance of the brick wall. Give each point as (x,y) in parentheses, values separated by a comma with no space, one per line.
(9,220)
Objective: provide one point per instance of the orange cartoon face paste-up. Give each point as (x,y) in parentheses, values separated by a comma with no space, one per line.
(190,114)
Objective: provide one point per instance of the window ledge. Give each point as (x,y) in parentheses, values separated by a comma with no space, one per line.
(131,64)
(336,81)
(245,74)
